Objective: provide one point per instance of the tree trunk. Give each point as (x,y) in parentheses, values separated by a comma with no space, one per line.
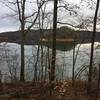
(22,56)
(73,69)
(53,62)
(22,21)
(92,49)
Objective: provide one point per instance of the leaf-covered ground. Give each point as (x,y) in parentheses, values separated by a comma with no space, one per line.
(41,91)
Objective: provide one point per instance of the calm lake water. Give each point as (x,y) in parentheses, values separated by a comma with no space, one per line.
(10,57)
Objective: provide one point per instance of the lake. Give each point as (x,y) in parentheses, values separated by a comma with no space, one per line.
(10,60)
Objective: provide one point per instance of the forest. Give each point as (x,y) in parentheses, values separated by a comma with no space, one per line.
(50,50)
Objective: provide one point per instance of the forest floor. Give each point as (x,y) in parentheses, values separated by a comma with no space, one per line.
(41,91)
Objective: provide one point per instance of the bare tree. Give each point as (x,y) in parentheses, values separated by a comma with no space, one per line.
(21,13)
(22,18)
(92,49)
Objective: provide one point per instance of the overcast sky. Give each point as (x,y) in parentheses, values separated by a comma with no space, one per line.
(8,23)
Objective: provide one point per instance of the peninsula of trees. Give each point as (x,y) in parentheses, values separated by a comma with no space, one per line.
(34,36)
